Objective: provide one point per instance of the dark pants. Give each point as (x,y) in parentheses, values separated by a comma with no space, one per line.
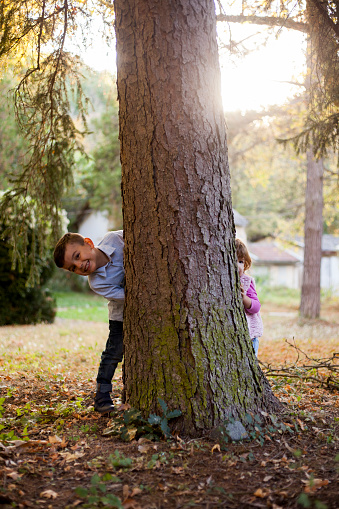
(111,356)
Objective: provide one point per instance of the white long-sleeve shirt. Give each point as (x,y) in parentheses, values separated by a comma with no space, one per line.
(108,280)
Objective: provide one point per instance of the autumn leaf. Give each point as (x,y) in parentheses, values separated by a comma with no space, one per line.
(48,494)
(14,475)
(260,493)
(267,478)
(143,448)
(314,484)
(55,440)
(124,407)
(129,434)
(301,424)
(135,491)
(215,447)
(130,503)
(68,456)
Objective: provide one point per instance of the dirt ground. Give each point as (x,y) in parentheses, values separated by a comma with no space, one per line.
(62,454)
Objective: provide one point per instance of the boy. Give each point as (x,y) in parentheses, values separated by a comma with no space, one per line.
(103,264)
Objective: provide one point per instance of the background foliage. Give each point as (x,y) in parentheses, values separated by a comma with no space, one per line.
(18,303)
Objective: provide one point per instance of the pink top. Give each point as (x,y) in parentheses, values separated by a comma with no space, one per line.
(254,321)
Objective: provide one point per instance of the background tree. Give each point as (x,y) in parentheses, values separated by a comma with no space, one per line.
(268,181)
(320,125)
(318,19)
(97,175)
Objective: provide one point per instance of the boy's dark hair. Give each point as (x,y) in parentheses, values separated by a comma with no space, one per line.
(60,248)
(243,254)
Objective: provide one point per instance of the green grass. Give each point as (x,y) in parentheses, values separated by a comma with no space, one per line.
(280,296)
(290,297)
(90,307)
(81,306)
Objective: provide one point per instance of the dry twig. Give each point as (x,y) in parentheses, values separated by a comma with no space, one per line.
(324,372)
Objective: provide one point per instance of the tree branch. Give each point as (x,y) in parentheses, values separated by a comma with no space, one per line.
(106,4)
(322,371)
(324,14)
(265,20)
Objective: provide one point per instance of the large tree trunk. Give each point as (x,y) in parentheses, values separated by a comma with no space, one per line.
(186,338)
(310,291)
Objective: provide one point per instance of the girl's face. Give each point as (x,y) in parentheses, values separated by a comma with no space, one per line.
(241,264)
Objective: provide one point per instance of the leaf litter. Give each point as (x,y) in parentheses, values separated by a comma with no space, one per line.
(56,452)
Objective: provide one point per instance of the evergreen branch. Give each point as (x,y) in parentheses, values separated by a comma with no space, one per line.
(265,20)
(40,33)
(42,108)
(319,134)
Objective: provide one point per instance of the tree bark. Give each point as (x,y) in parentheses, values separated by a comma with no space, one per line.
(186,337)
(322,10)
(310,291)
(313,227)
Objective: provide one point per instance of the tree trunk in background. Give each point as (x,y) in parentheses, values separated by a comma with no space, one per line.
(186,337)
(313,228)
(310,291)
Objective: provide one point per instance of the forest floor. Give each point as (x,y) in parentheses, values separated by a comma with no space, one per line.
(56,452)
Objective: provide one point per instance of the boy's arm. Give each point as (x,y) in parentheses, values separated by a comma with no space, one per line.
(109,291)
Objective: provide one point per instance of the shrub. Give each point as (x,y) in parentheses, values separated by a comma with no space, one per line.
(20,304)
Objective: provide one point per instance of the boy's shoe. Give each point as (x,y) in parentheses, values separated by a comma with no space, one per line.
(103,403)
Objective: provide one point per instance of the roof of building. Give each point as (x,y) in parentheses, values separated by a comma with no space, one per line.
(328,242)
(268,252)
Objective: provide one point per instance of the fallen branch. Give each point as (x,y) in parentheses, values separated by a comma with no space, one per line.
(306,368)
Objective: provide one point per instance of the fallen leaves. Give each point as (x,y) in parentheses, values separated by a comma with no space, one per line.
(268,478)
(13,475)
(194,471)
(128,497)
(261,493)
(312,485)
(48,494)
(68,456)
(60,442)
(216,447)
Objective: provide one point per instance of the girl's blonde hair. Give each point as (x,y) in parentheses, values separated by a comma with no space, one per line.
(243,254)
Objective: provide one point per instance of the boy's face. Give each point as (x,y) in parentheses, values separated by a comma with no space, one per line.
(80,259)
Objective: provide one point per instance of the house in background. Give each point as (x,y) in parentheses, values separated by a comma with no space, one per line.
(283,266)
(240,223)
(330,263)
(329,275)
(93,224)
(96,223)
(274,265)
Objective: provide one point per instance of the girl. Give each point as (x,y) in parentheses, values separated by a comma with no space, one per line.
(249,295)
